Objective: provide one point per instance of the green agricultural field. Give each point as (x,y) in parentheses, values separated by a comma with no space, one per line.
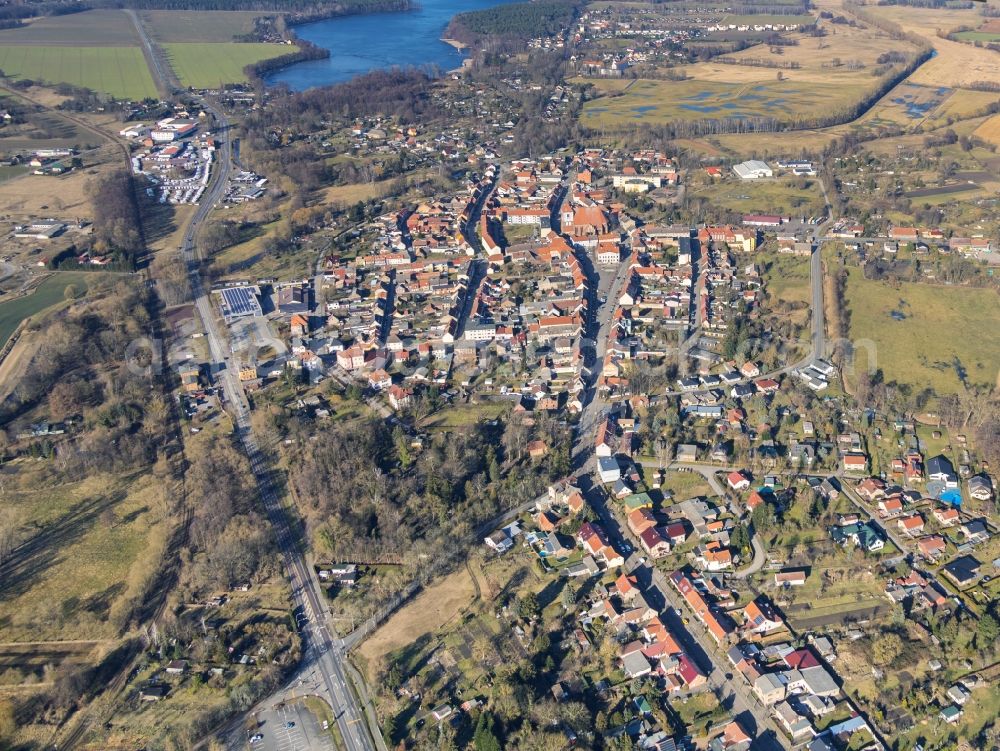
(6,173)
(101,28)
(205,66)
(977,36)
(653,101)
(945,332)
(48,293)
(168,26)
(119,71)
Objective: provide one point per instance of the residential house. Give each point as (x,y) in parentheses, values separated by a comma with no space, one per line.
(399,397)
(769,688)
(911,525)
(941,469)
(981,487)
(379,380)
(177,667)
(351,358)
(964,571)
(871,489)
(759,618)
(153,692)
(675,533)
(958,694)
(975,531)
(713,556)
(947,517)
(653,543)
(608,469)
(951,714)
(537,449)
(890,506)
(796,725)
(855,462)
(738,481)
(789,578)
(932,547)
(499,541)
(605,444)
(640,520)
(733,738)
(687,452)
(861,534)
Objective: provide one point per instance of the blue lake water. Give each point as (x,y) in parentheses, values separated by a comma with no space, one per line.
(359,44)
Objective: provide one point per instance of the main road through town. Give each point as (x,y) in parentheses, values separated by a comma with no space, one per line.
(323,666)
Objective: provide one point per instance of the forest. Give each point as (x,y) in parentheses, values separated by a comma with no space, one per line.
(403,94)
(369,493)
(117,218)
(515,21)
(12,12)
(82,367)
(297,10)
(306,50)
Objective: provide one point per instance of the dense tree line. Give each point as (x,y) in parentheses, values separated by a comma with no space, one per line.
(229,541)
(297,10)
(514,21)
(403,94)
(305,50)
(80,371)
(117,218)
(15,11)
(952,4)
(770,9)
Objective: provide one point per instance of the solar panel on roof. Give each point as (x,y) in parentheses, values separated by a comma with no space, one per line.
(240,301)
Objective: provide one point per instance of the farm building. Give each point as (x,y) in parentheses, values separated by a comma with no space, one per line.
(753,169)
(43,229)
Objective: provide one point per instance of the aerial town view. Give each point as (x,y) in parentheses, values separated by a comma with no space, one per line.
(467,375)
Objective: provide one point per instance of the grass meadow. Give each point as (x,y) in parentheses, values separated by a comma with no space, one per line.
(956,63)
(168,26)
(50,292)
(119,71)
(654,101)
(977,36)
(989,131)
(205,66)
(945,332)
(100,28)
(87,547)
(779,195)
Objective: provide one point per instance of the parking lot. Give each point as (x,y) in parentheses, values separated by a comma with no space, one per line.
(305,734)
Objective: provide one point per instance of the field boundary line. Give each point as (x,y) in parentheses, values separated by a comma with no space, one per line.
(56,642)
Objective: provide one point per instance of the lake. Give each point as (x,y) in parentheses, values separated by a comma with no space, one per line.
(359,44)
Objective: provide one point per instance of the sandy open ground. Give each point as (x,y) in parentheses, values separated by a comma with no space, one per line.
(426,613)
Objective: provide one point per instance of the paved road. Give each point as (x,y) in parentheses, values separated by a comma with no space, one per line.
(324,655)
(162,74)
(732,692)
(818,312)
